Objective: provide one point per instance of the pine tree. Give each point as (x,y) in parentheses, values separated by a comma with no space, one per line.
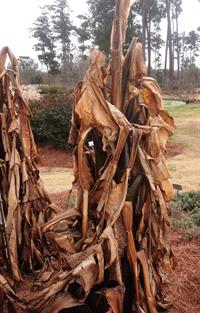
(176,11)
(84,34)
(102,12)
(62,28)
(152,12)
(101,16)
(157,43)
(134,28)
(193,45)
(45,45)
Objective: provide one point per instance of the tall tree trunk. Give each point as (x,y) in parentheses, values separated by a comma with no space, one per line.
(144,27)
(171,56)
(178,48)
(149,45)
(65,62)
(172,31)
(166,55)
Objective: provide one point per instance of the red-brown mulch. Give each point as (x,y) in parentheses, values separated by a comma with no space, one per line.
(54,157)
(183,290)
(60,198)
(173,149)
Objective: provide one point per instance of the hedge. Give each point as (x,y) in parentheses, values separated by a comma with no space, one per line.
(51,120)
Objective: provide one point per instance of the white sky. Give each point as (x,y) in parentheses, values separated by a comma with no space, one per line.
(17,18)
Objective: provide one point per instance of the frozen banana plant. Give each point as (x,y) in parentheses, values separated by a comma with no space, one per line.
(109,252)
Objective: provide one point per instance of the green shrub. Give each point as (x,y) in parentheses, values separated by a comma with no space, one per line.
(187,201)
(184,222)
(189,204)
(51,119)
(196,218)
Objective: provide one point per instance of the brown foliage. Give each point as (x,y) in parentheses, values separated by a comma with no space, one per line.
(108,254)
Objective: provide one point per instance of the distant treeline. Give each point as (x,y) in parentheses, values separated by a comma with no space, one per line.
(55,33)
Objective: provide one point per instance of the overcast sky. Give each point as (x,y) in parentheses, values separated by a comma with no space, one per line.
(17,17)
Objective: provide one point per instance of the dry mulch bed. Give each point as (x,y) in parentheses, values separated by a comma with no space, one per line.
(183,291)
(54,157)
(61,198)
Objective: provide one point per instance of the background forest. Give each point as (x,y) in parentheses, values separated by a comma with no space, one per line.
(62,46)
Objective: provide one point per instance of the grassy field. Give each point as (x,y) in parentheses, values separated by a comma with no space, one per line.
(185,167)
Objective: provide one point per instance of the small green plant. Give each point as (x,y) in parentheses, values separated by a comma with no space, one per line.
(190,234)
(189,204)
(184,222)
(70,202)
(196,218)
(187,201)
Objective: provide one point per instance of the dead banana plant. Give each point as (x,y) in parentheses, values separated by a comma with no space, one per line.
(109,253)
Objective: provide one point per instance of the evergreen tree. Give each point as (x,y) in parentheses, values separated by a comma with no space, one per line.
(134,28)
(193,45)
(169,40)
(27,63)
(157,43)
(102,12)
(62,28)
(152,12)
(84,34)
(45,45)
